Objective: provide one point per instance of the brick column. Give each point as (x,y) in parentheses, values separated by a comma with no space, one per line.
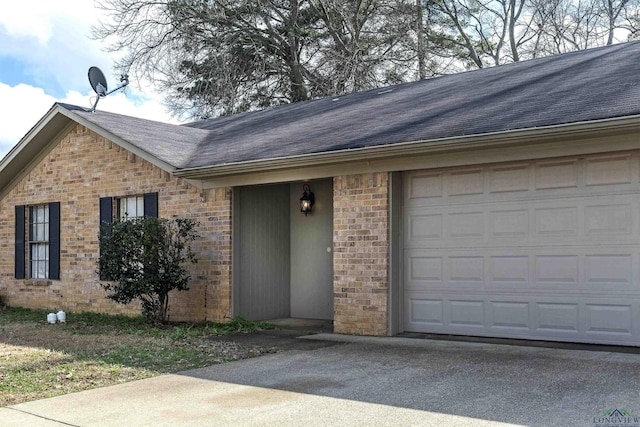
(361,253)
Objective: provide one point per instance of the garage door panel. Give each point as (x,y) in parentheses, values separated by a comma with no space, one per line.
(424,269)
(509,223)
(465,270)
(422,186)
(467,314)
(464,183)
(556,318)
(609,319)
(421,227)
(609,219)
(578,221)
(557,271)
(556,222)
(547,249)
(509,270)
(465,225)
(555,174)
(425,312)
(610,169)
(611,272)
(508,315)
(520,316)
(547,178)
(506,179)
(550,270)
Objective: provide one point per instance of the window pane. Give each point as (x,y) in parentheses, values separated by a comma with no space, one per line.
(39,223)
(139,206)
(39,260)
(38,245)
(131,207)
(39,236)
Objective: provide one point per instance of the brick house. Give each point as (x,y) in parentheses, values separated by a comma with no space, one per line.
(500,202)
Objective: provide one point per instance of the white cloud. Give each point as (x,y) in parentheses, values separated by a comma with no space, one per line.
(36,20)
(51,39)
(22,106)
(50,42)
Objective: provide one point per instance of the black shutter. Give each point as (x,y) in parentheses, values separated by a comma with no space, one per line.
(106,219)
(151,204)
(54,240)
(106,213)
(19,243)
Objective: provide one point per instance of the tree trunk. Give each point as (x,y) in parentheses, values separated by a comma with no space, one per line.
(422,65)
(298,88)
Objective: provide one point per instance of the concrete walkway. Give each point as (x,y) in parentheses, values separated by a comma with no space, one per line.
(367,382)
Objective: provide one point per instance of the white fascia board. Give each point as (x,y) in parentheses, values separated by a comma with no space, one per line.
(414,148)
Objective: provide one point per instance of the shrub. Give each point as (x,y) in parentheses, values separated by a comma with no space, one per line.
(143,259)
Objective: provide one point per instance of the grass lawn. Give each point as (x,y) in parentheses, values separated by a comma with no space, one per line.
(39,360)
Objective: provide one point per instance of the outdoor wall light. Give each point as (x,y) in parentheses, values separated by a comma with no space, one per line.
(307,200)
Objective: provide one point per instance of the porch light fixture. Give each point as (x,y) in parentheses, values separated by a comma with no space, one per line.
(307,200)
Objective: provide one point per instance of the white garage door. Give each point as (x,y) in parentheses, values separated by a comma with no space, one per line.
(546,249)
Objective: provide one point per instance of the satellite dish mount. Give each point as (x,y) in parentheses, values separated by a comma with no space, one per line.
(99,84)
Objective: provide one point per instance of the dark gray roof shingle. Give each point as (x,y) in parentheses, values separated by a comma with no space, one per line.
(571,88)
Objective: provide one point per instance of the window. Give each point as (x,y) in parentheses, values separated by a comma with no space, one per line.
(126,207)
(130,207)
(39,242)
(38,253)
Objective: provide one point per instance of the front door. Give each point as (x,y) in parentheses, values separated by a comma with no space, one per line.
(312,253)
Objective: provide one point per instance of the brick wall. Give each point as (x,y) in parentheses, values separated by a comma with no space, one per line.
(79,170)
(361,254)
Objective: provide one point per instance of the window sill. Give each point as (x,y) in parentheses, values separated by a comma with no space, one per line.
(38,282)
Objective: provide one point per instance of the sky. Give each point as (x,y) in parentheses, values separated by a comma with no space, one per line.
(45,54)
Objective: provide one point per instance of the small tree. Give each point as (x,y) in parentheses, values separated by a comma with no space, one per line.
(143,258)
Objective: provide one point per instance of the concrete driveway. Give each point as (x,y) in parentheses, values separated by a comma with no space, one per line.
(368,382)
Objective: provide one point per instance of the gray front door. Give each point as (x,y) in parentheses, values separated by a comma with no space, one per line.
(312,253)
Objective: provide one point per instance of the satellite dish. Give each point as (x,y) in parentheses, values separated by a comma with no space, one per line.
(98,81)
(99,84)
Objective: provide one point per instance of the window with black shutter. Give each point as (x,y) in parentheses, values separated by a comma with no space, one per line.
(37,241)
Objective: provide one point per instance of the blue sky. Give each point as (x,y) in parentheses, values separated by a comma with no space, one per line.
(45,53)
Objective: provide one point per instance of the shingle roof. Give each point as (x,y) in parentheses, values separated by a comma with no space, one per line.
(170,143)
(576,87)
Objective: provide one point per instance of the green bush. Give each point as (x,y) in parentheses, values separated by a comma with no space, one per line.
(143,259)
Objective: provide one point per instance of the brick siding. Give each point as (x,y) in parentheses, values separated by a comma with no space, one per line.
(84,166)
(79,170)
(361,254)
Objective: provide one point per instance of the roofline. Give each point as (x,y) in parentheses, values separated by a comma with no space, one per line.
(50,129)
(16,149)
(119,141)
(413,148)
(30,149)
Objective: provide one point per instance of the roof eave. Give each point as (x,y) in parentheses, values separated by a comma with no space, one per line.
(51,128)
(414,148)
(120,141)
(29,148)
